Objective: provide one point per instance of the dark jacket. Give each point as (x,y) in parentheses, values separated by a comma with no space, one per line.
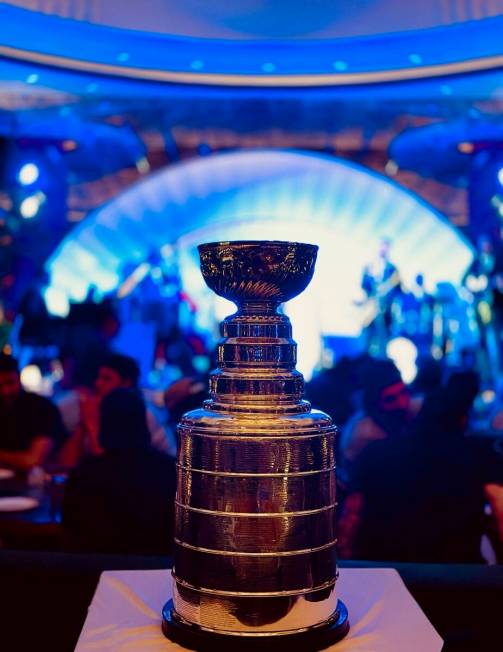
(121,502)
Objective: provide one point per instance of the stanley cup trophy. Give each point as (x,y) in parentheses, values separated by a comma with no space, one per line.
(255,563)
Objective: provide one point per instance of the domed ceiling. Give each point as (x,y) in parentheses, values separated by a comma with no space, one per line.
(256,42)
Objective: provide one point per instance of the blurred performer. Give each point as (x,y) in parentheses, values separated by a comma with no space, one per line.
(453,325)
(480,282)
(413,314)
(380,281)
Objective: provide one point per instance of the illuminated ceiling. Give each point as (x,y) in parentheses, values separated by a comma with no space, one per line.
(258,43)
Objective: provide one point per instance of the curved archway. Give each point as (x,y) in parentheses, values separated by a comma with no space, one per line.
(327,46)
(264,194)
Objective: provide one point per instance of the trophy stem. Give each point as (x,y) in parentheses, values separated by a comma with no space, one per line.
(258,307)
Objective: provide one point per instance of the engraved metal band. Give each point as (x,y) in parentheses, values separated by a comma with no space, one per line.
(211,512)
(284,553)
(252,594)
(240,474)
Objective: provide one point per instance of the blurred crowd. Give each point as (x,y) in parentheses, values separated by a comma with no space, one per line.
(415,481)
(118,449)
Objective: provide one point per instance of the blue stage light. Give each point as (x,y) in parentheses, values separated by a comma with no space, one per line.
(500,176)
(415,59)
(340,66)
(204,149)
(28,174)
(30,205)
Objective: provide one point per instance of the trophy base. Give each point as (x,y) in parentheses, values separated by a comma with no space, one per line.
(195,638)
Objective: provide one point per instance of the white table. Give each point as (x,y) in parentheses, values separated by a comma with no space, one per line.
(125,614)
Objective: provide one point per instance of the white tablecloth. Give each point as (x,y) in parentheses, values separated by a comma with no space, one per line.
(125,614)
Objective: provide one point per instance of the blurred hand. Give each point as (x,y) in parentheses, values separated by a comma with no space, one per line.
(180,389)
(90,421)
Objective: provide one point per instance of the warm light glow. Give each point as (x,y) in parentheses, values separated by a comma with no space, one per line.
(31,378)
(466,148)
(69,145)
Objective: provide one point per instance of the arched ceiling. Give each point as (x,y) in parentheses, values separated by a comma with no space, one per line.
(256,42)
(264,19)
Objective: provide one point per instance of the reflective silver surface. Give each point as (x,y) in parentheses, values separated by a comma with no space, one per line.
(255,506)
(275,614)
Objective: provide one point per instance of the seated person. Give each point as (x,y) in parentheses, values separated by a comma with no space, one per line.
(30,425)
(386,413)
(332,390)
(494,495)
(420,498)
(115,371)
(123,500)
